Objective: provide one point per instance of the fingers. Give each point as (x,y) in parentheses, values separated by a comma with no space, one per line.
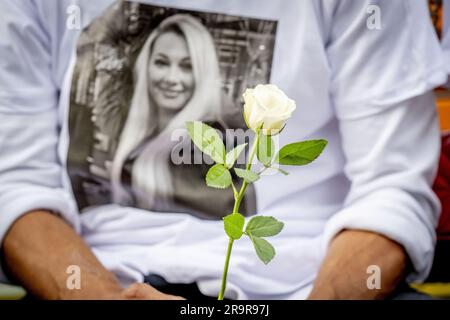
(142,291)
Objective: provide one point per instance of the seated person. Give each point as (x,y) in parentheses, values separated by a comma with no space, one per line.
(92,96)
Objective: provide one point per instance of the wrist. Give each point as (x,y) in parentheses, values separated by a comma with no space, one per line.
(93,285)
(323,291)
(94,292)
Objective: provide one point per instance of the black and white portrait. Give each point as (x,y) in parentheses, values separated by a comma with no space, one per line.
(141,73)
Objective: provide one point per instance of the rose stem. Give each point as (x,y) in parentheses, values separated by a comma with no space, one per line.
(237,203)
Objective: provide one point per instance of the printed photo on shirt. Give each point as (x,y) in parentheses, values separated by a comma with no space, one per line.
(143,71)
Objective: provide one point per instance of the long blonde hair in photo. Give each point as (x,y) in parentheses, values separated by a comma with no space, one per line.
(150,177)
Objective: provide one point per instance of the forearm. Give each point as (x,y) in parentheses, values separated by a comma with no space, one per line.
(343,274)
(37,251)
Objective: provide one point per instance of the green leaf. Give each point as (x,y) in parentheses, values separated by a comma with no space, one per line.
(265,149)
(261,226)
(207,140)
(300,153)
(247,175)
(234,225)
(218,177)
(233,155)
(264,249)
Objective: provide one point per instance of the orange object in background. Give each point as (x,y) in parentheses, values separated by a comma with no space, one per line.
(436,14)
(443,107)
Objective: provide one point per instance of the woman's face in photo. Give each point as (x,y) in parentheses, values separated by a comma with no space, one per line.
(170,72)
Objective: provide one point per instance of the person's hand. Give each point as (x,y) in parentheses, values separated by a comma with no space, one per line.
(26,249)
(343,274)
(143,291)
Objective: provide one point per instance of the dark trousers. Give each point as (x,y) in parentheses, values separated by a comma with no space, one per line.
(191,291)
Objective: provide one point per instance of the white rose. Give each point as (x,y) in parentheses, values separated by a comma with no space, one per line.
(268,106)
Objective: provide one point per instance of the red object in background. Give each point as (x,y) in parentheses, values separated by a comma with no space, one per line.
(442,188)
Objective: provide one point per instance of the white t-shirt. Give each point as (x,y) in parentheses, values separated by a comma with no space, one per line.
(359,84)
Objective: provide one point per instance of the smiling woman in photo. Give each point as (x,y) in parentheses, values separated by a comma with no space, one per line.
(177,79)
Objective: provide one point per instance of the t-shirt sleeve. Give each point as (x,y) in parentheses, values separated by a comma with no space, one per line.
(381,52)
(30,170)
(381,82)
